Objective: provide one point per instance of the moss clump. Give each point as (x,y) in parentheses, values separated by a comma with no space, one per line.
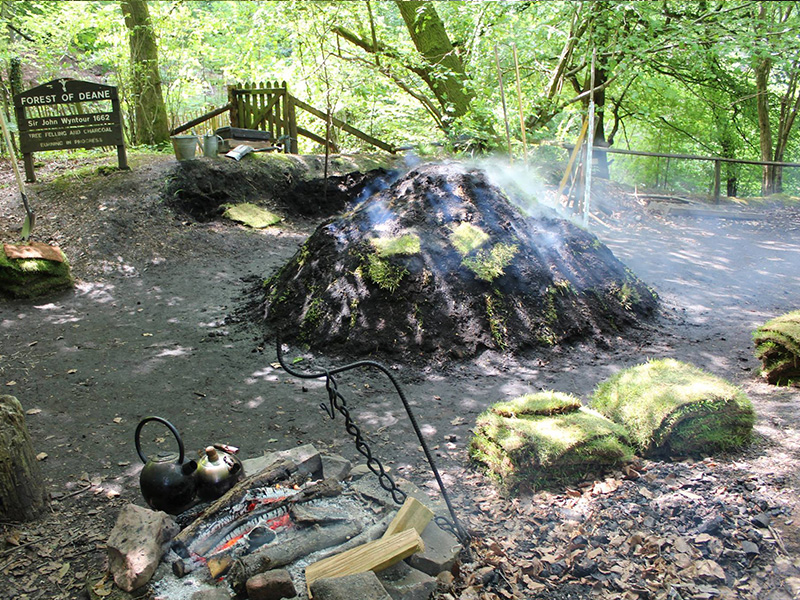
(250,215)
(491,265)
(467,237)
(778,348)
(401,245)
(673,408)
(385,275)
(546,438)
(33,277)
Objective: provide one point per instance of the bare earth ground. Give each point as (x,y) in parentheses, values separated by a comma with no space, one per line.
(158,324)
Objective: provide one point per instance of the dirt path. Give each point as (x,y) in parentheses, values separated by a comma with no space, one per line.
(158,325)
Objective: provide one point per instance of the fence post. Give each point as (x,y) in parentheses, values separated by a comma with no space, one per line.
(234,111)
(717,180)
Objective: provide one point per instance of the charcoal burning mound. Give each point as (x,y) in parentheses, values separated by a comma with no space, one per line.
(441,263)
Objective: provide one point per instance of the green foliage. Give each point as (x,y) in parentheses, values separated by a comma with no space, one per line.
(670,407)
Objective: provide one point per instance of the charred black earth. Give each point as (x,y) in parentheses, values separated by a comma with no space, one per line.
(441,263)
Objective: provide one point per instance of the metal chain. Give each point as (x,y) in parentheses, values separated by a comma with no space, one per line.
(338,404)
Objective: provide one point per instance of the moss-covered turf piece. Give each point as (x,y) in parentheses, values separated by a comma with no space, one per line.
(551,440)
(778,348)
(405,245)
(542,403)
(250,215)
(671,408)
(33,277)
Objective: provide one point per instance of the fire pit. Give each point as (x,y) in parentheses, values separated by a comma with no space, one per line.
(288,514)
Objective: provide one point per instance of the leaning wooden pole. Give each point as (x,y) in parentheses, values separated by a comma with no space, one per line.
(519,106)
(22,493)
(503,101)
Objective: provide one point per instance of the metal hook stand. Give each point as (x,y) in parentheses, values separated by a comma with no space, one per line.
(337,403)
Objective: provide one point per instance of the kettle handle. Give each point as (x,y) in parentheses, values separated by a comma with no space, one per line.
(171,428)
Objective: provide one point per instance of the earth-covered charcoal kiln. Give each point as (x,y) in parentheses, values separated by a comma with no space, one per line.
(442,263)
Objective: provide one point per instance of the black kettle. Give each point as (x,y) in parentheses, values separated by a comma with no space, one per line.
(166,481)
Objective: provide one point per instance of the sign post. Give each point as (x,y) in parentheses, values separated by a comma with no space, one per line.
(64,131)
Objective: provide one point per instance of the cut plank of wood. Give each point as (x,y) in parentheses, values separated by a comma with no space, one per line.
(412,515)
(373,556)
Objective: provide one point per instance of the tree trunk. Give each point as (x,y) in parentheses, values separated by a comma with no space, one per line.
(151,115)
(762,71)
(446,77)
(22,493)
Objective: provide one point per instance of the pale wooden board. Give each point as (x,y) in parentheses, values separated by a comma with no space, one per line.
(412,515)
(35,250)
(372,556)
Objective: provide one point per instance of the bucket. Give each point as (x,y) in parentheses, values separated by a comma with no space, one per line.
(184,145)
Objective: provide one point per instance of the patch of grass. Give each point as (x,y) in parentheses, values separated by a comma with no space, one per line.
(385,275)
(33,278)
(488,266)
(778,348)
(535,449)
(467,238)
(405,245)
(674,408)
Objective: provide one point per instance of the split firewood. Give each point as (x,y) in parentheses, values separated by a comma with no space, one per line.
(373,556)
(412,515)
(276,556)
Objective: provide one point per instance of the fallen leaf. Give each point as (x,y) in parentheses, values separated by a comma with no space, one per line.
(62,571)
(41,456)
(33,411)
(9,383)
(117,420)
(72,371)
(275,365)
(147,335)
(709,570)
(458,421)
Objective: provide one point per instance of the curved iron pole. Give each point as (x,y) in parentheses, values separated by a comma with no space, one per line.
(460,532)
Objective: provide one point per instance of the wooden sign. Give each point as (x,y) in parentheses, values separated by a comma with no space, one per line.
(42,126)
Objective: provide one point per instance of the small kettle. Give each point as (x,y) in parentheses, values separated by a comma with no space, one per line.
(166,481)
(217,472)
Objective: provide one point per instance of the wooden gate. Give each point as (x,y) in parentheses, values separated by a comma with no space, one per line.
(267,107)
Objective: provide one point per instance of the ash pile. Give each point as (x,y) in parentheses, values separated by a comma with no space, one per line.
(299,524)
(442,264)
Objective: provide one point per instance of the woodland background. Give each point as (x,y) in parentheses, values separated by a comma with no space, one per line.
(705,78)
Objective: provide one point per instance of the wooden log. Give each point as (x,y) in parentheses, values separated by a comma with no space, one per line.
(22,493)
(373,556)
(313,539)
(282,471)
(412,515)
